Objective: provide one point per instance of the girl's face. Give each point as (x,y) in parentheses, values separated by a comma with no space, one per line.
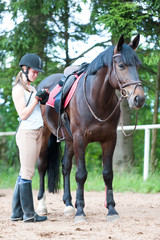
(32,74)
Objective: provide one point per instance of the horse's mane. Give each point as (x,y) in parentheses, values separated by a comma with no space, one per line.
(129,57)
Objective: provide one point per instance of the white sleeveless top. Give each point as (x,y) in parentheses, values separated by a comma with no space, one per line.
(35,120)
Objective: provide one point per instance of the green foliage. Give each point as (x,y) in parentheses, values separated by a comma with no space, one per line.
(94,157)
(133,182)
(152,58)
(122,17)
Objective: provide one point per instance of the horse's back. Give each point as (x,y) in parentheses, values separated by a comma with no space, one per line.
(50,81)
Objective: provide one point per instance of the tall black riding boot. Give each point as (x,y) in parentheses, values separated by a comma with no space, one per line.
(17,213)
(29,215)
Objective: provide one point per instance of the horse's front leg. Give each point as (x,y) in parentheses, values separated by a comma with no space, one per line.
(81,176)
(66,169)
(107,151)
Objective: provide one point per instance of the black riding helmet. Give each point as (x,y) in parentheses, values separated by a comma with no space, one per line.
(31,60)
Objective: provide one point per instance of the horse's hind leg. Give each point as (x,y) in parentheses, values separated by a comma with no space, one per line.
(42,165)
(66,169)
(108,149)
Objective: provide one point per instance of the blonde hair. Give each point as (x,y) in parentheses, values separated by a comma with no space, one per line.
(20,80)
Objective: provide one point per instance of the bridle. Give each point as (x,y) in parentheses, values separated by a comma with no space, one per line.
(122,89)
(123,92)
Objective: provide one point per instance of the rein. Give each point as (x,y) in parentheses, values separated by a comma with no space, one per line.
(123,93)
(97,118)
(121,122)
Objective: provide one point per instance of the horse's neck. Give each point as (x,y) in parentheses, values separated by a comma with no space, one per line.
(102,92)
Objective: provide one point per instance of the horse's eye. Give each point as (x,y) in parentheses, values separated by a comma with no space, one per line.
(121,66)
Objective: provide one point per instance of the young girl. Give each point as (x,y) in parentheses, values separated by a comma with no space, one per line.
(28,138)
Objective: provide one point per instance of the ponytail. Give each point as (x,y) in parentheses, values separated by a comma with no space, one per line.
(20,80)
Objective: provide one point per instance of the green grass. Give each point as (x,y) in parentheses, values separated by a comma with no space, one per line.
(126,182)
(133,182)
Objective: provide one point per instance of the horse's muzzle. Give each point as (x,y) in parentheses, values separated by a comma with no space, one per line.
(139,101)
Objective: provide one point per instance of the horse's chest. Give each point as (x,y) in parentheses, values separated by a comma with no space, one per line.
(99,133)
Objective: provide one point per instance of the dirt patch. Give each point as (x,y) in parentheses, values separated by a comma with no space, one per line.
(139,219)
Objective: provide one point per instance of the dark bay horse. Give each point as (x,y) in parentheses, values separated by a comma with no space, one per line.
(93,112)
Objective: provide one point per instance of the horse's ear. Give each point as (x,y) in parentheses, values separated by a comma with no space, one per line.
(119,45)
(134,44)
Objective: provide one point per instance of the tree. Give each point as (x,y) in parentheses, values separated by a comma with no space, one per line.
(44,27)
(151,27)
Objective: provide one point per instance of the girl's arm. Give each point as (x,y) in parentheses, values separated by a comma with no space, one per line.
(20,105)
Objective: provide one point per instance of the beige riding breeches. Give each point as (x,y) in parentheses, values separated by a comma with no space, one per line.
(29,145)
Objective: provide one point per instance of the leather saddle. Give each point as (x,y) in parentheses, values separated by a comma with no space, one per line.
(70,75)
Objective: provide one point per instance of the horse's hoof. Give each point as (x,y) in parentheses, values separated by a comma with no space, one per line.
(69,210)
(113,218)
(79,219)
(42,211)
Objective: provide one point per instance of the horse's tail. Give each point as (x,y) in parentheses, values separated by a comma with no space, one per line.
(54,160)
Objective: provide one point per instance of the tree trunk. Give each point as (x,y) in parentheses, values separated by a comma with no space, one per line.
(66,33)
(155,121)
(123,157)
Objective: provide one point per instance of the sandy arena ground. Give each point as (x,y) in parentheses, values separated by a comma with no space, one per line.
(139,219)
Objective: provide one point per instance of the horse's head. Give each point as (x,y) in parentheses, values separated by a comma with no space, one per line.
(124,75)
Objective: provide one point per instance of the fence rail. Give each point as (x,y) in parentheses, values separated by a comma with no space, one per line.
(6,133)
(146,128)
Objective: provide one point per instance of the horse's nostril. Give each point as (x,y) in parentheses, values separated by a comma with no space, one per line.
(139,101)
(136,100)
